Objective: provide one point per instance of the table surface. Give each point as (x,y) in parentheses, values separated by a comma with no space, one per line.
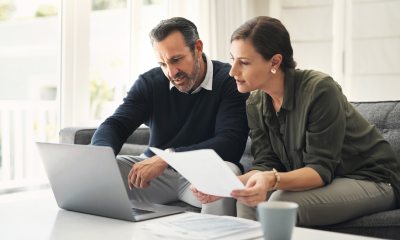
(35,215)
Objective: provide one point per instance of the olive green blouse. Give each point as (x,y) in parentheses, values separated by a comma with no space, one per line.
(317,127)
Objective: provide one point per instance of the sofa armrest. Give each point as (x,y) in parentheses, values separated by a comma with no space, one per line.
(135,145)
(76,135)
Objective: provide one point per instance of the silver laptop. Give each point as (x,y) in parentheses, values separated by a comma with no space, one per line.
(87,179)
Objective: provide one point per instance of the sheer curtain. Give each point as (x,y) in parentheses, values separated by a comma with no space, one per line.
(216,20)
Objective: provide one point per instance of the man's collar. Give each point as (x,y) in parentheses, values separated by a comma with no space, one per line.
(208,79)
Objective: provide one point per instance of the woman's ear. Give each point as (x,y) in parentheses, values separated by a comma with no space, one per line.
(276,61)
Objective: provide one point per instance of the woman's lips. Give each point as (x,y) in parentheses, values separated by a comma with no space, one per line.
(239,82)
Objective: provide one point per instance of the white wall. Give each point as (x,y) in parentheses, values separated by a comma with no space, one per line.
(375,44)
(356,41)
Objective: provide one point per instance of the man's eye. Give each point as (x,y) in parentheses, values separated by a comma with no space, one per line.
(175,60)
(244,63)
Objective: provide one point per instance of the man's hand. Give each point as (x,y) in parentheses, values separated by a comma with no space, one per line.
(256,189)
(143,172)
(202,197)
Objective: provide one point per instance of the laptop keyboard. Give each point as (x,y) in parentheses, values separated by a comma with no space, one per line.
(137,211)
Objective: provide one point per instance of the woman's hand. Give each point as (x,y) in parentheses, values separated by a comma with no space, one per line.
(256,188)
(202,197)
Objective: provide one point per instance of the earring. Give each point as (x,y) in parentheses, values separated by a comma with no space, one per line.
(273,70)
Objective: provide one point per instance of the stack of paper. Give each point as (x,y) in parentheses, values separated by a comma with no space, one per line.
(203,226)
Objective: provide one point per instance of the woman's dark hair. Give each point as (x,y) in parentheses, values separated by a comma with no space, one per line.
(269,37)
(184,26)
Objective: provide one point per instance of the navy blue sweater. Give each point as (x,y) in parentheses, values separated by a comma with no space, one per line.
(205,120)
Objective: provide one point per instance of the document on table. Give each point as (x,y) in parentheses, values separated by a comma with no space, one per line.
(203,226)
(204,169)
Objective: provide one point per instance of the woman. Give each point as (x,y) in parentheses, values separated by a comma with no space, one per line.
(310,146)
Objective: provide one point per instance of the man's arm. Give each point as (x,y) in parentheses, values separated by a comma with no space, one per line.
(127,118)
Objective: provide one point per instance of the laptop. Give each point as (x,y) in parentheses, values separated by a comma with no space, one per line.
(87,179)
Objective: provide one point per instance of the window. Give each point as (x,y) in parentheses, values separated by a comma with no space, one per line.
(119,50)
(104,54)
(98,47)
(29,84)
(109,55)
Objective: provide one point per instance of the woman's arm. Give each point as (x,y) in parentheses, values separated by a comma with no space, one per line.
(300,180)
(258,184)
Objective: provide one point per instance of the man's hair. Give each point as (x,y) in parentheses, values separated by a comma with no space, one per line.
(269,37)
(182,25)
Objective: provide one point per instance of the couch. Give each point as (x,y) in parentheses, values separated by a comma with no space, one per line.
(385,115)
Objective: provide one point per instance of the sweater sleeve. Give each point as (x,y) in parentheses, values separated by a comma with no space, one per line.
(231,130)
(134,111)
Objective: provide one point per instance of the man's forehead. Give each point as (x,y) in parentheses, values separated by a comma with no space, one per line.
(169,55)
(168,52)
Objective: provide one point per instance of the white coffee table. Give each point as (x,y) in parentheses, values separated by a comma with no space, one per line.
(35,215)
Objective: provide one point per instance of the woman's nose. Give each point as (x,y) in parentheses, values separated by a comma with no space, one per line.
(232,72)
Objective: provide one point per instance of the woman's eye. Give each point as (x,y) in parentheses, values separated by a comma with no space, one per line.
(244,63)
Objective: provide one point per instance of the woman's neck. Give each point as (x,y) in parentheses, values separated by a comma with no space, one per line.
(276,89)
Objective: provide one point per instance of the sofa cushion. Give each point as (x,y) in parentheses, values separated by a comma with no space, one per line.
(247,157)
(385,116)
(383,224)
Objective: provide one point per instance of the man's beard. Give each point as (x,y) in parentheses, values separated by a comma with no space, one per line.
(190,79)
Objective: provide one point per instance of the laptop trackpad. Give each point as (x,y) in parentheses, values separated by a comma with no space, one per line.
(152,207)
(137,211)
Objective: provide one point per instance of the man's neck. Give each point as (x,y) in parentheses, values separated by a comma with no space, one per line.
(203,71)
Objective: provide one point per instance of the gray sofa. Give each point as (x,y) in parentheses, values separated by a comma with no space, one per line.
(384,115)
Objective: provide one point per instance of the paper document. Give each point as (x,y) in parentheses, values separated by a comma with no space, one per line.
(204,169)
(203,226)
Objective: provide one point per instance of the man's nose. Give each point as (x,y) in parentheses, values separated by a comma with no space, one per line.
(172,71)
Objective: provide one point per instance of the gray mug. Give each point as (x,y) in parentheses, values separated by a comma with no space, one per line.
(277,219)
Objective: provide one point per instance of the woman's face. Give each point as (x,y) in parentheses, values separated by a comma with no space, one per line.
(250,70)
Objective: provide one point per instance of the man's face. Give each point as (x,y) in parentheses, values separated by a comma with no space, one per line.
(180,65)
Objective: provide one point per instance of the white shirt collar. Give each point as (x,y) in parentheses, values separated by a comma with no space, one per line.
(208,79)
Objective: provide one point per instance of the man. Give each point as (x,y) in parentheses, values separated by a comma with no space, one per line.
(189,102)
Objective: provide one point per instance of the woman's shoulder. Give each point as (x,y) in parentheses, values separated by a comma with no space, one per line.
(312,80)
(310,76)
